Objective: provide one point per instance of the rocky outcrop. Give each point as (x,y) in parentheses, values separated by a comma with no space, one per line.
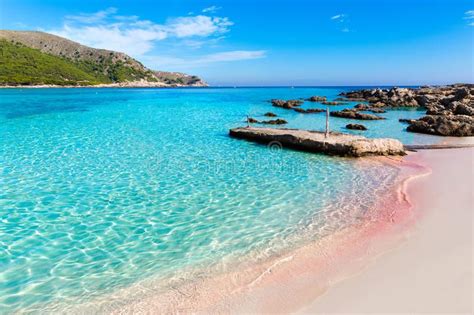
(464,109)
(394,97)
(376,110)
(449,109)
(409,97)
(356,127)
(274,122)
(309,110)
(251,120)
(369,108)
(362,107)
(331,103)
(317,99)
(453,125)
(355,114)
(405,120)
(289,104)
(313,141)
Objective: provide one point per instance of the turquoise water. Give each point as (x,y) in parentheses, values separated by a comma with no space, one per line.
(102,188)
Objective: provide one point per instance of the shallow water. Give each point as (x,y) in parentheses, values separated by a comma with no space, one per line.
(101,188)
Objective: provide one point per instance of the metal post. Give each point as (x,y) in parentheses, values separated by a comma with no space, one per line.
(327,123)
(248,122)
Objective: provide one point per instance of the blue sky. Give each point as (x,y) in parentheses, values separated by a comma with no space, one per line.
(319,42)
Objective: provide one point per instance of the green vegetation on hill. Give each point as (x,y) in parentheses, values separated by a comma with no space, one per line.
(108,71)
(33,58)
(21,65)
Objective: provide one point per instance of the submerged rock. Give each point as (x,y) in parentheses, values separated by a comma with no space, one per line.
(331,103)
(372,108)
(267,122)
(270,114)
(405,120)
(362,107)
(356,127)
(354,114)
(378,105)
(309,110)
(274,122)
(377,110)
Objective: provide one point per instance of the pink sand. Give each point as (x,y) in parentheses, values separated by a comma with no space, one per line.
(433,271)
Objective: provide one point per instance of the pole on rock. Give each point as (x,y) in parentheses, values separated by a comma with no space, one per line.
(326,134)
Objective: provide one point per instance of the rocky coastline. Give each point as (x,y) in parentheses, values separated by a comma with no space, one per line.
(449,109)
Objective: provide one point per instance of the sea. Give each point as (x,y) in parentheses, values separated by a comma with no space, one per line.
(101,189)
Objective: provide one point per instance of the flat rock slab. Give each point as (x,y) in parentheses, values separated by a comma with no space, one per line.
(314,141)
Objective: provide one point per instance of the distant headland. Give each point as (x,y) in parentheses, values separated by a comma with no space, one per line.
(38,59)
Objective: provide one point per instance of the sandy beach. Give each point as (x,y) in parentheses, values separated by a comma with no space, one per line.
(432,271)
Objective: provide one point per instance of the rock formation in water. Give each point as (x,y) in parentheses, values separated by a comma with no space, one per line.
(270,114)
(309,110)
(355,114)
(450,109)
(289,104)
(356,127)
(317,99)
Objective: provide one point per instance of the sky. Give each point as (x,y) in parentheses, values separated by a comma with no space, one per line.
(263,42)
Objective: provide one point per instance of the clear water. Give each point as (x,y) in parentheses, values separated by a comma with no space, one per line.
(101,188)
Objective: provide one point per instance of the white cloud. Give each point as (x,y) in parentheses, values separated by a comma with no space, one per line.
(227,56)
(233,56)
(139,38)
(211,9)
(198,43)
(341,20)
(469,14)
(104,29)
(200,25)
(92,17)
(133,41)
(339,17)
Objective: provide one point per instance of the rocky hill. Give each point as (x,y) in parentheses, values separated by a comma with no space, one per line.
(31,58)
